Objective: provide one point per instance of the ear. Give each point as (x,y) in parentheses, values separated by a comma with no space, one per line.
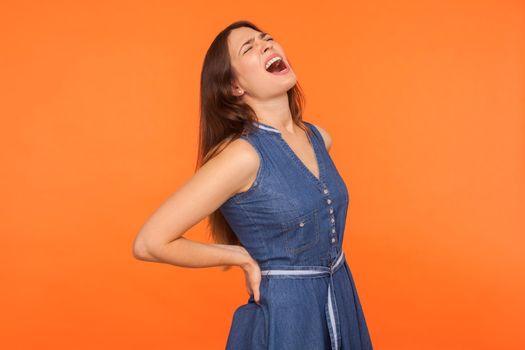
(236,89)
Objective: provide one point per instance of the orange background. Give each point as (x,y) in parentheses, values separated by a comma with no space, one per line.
(425,101)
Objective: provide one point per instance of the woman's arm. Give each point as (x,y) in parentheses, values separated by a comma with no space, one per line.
(160,238)
(187,253)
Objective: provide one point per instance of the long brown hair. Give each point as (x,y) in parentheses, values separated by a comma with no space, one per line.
(225,117)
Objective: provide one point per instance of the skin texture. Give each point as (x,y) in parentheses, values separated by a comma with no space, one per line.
(233,170)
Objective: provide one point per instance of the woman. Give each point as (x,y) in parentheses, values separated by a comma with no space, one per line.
(276,202)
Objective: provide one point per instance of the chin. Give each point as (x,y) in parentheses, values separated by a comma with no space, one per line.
(291,83)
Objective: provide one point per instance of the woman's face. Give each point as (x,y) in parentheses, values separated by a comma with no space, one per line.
(248,60)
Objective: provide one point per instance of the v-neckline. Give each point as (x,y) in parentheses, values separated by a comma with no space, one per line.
(318,179)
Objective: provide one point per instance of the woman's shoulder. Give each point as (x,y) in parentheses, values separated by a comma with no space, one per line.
(239,150)
(244,159)
(327,138)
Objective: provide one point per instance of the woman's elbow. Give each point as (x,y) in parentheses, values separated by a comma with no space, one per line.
(141,250)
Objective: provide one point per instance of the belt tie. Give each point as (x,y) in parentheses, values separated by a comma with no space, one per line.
(332,315)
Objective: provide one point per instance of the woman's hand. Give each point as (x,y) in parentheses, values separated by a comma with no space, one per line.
(252,272)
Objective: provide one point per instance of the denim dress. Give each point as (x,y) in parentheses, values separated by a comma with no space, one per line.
(292,223)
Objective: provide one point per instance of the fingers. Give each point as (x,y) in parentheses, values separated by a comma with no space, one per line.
(248,288)
(256,295)
(252,274)
(253,289)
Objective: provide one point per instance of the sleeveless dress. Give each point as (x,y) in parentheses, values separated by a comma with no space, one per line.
(292,223)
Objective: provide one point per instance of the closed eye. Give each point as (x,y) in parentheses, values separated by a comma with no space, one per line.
(251,46)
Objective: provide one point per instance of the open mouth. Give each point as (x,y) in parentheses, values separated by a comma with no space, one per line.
(277,66)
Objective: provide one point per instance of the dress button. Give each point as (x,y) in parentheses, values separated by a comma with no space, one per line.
(325,191)
(328,201)
(332,220)
(331,210)
(333,230)
(301,224)
(333,240)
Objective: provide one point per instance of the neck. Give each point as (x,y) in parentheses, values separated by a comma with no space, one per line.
(274,112)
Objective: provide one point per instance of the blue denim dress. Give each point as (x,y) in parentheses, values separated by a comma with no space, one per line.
(292,223)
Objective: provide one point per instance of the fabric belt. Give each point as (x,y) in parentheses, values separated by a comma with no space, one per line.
(332,315)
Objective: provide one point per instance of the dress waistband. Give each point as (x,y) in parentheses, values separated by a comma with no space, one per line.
(332,315)
(298,270)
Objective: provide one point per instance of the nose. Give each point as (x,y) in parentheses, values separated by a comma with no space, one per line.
(266,45)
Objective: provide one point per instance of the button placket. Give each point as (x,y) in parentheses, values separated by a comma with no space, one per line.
(333,238)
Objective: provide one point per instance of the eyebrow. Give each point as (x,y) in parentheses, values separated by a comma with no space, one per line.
(261,35)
